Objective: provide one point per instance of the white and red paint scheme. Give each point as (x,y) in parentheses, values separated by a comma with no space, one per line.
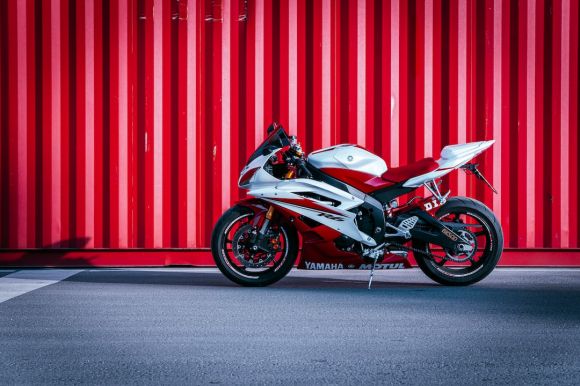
(343,201)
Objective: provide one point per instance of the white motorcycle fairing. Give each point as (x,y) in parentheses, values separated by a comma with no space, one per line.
(290,194)
(452,157)
(333,207)
(348,156)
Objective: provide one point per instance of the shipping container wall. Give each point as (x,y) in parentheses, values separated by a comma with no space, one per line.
(124,123)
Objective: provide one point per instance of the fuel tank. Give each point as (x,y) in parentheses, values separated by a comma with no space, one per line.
(350,157)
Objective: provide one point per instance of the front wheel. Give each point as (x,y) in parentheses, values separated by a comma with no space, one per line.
(240,260)
(480,227)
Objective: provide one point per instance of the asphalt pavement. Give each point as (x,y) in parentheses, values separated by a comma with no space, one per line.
(192,326)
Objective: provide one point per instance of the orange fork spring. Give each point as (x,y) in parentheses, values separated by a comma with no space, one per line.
(270,212)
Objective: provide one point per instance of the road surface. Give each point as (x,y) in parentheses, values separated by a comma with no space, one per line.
(192,326)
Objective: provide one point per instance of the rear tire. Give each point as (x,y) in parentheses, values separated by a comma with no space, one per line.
(233,272)
(492,253)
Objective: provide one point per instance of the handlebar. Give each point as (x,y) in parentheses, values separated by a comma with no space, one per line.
(293,154)
(302,166)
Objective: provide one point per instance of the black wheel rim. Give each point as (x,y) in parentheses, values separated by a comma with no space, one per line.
(466,265)
(232,261)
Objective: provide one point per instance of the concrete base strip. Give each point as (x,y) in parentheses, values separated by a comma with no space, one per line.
(21,282)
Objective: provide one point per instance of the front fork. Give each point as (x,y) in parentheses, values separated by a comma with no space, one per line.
(258,238)
(266,224)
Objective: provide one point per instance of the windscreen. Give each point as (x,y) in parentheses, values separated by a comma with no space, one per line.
(275,140)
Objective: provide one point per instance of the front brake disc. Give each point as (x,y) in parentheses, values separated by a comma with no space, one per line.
(246,253)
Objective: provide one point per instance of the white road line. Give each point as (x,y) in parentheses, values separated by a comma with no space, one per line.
(21,282)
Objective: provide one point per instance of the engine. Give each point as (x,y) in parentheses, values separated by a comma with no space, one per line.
(365,223)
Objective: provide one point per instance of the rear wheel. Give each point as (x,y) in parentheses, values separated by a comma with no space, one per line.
(480,227)
(242,261)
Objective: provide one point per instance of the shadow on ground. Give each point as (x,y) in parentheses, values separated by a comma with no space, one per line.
(216,279)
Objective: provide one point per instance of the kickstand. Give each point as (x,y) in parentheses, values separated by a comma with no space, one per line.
(372,272)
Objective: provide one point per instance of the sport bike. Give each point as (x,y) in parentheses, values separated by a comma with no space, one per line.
(344,209)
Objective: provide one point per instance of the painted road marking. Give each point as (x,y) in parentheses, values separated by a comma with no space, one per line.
(21,282)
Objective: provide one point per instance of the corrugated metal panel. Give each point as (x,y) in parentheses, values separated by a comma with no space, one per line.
(124,123)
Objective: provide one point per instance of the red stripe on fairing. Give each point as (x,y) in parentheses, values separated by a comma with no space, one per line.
(364,182)
(248,175)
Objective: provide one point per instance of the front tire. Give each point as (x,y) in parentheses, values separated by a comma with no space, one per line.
(230,266)
(489,239)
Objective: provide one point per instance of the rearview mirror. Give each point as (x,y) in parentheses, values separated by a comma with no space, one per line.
(272,127)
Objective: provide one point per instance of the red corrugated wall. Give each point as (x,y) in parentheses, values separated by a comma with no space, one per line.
(124,123)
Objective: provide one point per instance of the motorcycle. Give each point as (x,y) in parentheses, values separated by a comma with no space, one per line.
(343,206)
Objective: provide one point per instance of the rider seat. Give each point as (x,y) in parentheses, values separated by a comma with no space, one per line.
(403,173)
